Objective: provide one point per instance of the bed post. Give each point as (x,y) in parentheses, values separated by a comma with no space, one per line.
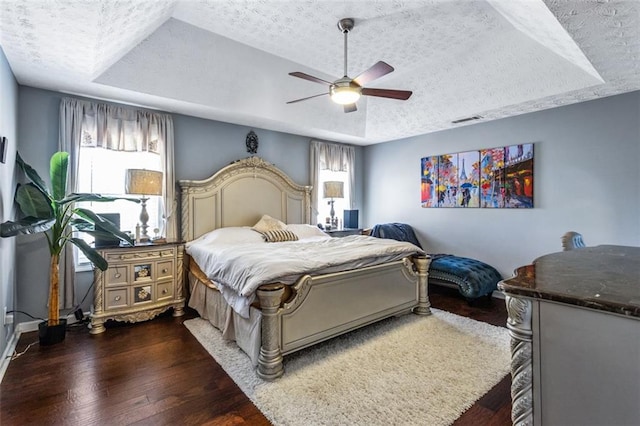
(422,265)
(270,365)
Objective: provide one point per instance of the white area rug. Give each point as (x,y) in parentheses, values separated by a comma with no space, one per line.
(409,370)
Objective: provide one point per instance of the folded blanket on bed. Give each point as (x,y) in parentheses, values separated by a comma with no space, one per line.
(395,231)
(239,269)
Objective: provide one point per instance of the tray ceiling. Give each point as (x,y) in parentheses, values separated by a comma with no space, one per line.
(229,60)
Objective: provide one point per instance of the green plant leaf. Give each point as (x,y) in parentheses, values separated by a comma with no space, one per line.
(33,202)
(93,256)
(77,197)
(58,168)
(32,174)
(28,225)
(101,225)
(81,224)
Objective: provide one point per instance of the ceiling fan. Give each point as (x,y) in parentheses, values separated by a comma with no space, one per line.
(346,91)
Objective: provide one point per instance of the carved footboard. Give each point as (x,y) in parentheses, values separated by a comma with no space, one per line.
(333,304)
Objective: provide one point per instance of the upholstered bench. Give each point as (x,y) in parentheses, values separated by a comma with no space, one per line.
(472,277)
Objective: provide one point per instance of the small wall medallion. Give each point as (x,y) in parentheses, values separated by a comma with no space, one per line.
(252,142)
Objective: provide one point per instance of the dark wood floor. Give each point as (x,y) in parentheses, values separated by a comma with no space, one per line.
(156,373)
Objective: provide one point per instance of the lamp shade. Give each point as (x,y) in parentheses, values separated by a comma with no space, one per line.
(143,182)
(333,189)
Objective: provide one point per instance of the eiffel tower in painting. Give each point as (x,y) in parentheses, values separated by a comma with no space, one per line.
(463,174)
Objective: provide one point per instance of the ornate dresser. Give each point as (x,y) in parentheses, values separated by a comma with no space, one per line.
(140,283)
(574,320)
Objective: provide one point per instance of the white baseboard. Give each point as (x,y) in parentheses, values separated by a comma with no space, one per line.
(8,352)
(28,326)
(23,327)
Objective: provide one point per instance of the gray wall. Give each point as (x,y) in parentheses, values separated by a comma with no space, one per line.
(201,148)
(586,179)
(204,146)
(8,129)
(587,160)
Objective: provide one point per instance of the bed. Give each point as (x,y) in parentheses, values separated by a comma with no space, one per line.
(285,318)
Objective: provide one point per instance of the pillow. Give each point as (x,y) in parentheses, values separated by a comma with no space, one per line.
(267,223)
(279,235)
(306,231)
(233,235)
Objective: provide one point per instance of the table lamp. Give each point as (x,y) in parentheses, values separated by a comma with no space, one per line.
(143,182)
(333,189)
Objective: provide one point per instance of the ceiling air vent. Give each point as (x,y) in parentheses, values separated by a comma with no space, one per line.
(462,120)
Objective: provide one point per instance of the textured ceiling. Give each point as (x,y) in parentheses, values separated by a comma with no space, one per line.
(229,60)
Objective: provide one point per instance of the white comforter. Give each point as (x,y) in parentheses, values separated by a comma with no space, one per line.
(240,268)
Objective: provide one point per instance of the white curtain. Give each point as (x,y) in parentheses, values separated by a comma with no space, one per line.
(84,123)
(72,113)
(164,124)
(335,157)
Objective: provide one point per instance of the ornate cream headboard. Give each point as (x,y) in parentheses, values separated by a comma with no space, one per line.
(238,195)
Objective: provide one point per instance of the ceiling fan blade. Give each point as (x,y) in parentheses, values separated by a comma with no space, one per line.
(387,93)
(304,99)
(350,107)
(309,77)
(376,71)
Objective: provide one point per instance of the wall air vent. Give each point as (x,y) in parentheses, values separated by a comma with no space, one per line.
(462,120)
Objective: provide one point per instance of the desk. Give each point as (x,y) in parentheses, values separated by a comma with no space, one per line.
(574,321)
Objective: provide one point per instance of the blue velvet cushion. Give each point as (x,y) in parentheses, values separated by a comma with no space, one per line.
(473,277)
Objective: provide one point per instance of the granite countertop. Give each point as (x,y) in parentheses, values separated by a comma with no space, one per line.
(605,278)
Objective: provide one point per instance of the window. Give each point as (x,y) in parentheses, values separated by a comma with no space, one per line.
(331,162)
(102,141)
(103,171)
(340,204)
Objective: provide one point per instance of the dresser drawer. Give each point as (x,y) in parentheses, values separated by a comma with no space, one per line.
(143,272)
(142,293)
(134,255)
(117,298)
(117,275)
(165,290)
(164,269)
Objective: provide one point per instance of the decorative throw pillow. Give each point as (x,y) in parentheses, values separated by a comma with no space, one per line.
(229,235)
(306,231)
(279,235)
(267,223)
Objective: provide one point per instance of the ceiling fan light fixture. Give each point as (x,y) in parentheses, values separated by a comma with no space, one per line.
(346,91)
(345,95)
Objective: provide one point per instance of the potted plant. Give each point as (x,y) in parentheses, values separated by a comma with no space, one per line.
(54,213)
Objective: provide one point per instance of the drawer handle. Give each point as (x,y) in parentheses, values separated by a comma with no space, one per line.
(165,270)
(165,291)
(117,298)
(117,275)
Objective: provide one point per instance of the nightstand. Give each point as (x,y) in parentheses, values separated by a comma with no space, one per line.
(140,283)
(343,232)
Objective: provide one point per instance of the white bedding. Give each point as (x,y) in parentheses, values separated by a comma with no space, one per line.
(239,267)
